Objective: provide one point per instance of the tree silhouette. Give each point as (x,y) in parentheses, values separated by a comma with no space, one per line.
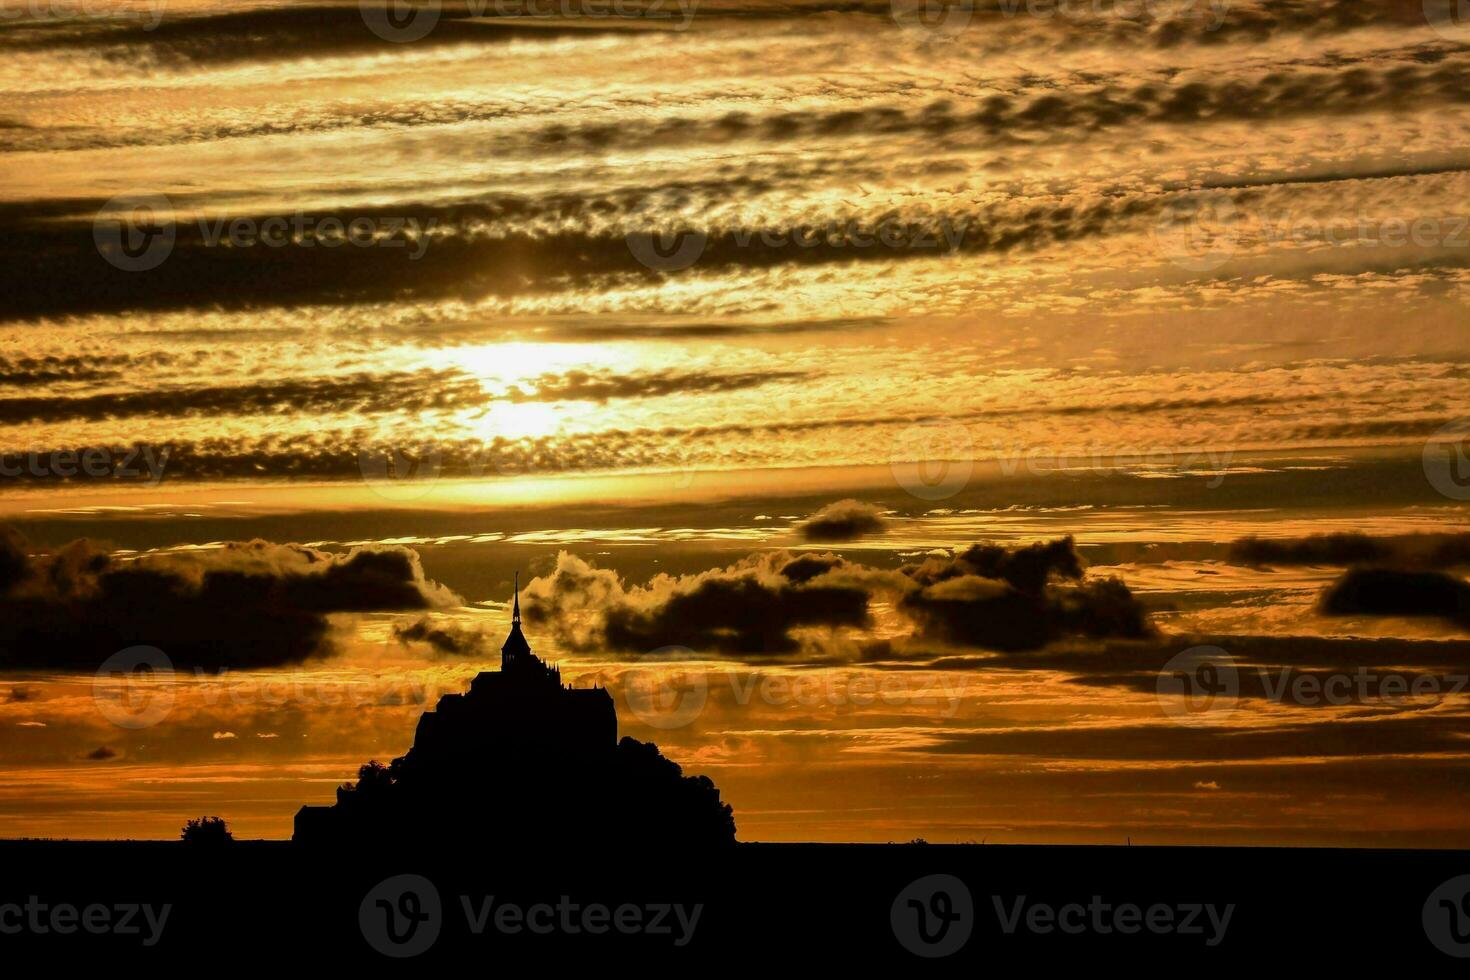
(207,831)
(373,778)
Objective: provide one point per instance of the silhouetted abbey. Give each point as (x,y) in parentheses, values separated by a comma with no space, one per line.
(521,753)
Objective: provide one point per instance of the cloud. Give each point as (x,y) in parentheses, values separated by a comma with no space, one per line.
(1012,598)
(981,612)
(14,561)
(1350,548)
(181,40)
(1076,106)
(101,754)
(748,607)
(332,451)
(843,520)
(478,250)
(807,567)
(611,328)
(25,372)
(246,604)
(418,391)
(1391,592)
(1355,739)
(185,38)
(1027,568)
(362,393)
(600,387)
(448,640)
(989,596)
(1377,669)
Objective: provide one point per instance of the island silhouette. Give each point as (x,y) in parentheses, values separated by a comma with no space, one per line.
(522,750)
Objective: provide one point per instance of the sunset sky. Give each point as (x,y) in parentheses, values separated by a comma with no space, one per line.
(661,297)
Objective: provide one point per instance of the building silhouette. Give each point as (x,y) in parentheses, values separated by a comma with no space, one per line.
(523,708)
(521,749)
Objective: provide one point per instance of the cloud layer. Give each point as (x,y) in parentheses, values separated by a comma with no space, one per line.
(246,604)
(988,596)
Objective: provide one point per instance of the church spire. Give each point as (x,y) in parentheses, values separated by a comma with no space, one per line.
(516,648)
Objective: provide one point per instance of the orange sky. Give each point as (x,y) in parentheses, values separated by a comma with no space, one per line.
(1159,283)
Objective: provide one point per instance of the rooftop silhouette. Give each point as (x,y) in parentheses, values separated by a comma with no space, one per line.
(522,752)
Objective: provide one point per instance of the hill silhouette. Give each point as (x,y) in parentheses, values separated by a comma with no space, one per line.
(522,754)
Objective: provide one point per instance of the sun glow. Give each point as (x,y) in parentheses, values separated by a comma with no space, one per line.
(519,363)
(508,420)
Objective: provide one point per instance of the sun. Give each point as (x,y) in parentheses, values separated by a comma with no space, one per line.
(508,420)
